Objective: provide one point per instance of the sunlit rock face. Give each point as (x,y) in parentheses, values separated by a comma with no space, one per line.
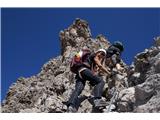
(50,89)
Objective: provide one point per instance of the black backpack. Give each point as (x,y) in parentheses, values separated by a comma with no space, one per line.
(112,50)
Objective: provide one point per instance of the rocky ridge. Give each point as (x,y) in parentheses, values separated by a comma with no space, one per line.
(138,85)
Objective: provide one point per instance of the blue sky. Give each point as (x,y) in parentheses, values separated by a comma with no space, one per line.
(30,37)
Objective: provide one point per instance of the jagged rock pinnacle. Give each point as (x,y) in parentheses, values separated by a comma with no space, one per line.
(48,90)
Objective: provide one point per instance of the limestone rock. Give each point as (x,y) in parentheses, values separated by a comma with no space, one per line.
(49,90)
(145,81)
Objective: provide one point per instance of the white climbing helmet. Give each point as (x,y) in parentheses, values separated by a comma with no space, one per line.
(101,50)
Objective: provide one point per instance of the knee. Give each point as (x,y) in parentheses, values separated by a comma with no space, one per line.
(79,88)
(102,82)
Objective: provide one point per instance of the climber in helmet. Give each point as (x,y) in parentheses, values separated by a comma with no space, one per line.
(114,54)
(83,73)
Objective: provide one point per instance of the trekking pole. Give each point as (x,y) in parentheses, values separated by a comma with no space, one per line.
(112,99)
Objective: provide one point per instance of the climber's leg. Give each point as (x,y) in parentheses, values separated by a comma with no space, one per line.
(80,84)
(99,85)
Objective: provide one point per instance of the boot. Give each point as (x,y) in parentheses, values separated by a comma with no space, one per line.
(100,103)
(71,109)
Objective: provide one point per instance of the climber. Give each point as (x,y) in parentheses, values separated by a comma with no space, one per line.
(114,55)
(84,72)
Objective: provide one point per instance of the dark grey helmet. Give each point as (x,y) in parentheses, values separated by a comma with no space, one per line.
(119,45)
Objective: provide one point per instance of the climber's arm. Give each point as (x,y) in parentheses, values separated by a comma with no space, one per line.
(118,67)
(116,62)
(97,60)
